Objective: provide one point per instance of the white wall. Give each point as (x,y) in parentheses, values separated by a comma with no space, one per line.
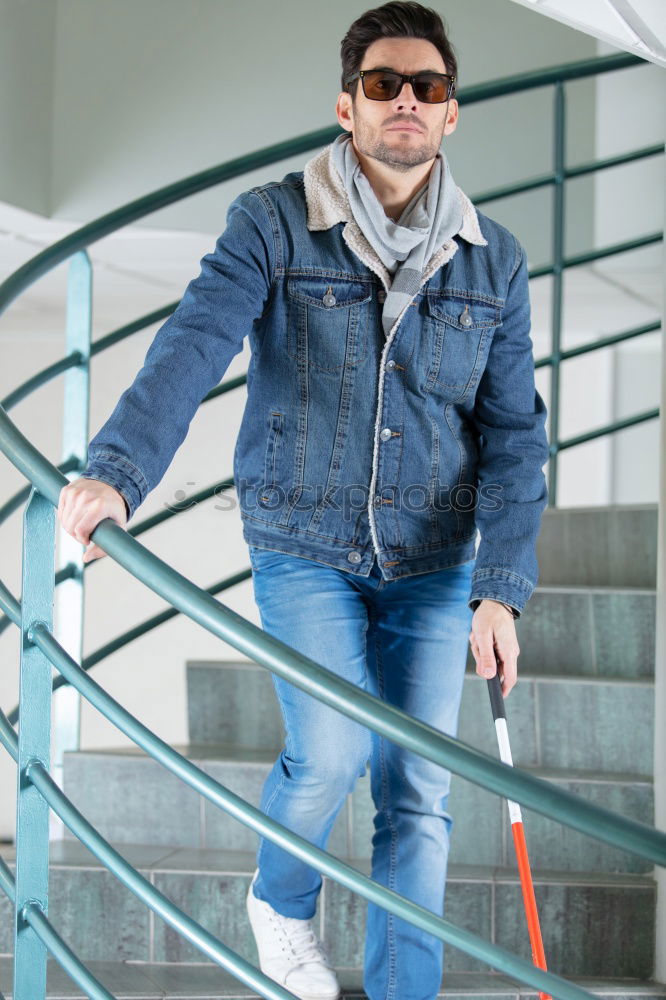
(628,118)
(144,94)
(660,667)
(613,295)
(27,33)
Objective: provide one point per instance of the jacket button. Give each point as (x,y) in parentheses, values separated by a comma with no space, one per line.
(390,365)
(385,434)
(377,502)
(329,298)
(465,317)
(381,295)
(354,557)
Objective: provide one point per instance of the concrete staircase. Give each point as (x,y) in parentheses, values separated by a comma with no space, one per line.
(581,716)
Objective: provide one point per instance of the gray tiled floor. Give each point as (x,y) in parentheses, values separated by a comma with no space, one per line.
(136,981)
(210,886)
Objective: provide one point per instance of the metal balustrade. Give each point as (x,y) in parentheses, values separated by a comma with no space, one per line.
(34,936)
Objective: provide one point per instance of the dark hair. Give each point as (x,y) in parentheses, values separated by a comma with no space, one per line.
(396,19)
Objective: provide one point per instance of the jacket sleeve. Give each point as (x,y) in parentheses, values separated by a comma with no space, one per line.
(509,416)
(188,356)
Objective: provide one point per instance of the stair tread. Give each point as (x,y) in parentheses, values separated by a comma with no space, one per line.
(233,753)
(525,672)
(593,509)
(164,981)
(70,853)
(602,588)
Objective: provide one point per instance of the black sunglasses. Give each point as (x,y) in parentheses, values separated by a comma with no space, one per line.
(385,85)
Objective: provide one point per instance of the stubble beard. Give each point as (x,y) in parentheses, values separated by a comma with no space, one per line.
(399,159)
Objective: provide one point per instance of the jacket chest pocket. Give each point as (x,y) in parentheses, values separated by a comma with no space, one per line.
(327,322)
(459,330)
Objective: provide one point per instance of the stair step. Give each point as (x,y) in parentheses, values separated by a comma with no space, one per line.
(587,919)
(554,721)
(158,808)
(163,981)
(595,631)
(577,632)
(614,544)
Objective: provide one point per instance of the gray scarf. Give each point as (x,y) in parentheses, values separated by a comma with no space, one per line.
(431,217)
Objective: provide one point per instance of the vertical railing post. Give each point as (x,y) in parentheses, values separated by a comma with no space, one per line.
(559,153)
(32,812)
(70,593)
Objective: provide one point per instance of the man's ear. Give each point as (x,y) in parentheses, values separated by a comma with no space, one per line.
(344,111)
(451,117)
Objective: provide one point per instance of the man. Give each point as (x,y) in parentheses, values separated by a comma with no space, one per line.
(391,413)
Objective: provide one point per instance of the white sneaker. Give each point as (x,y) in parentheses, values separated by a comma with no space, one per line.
(290,952)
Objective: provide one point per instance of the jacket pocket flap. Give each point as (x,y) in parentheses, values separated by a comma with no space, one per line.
(329,293)
(464,313)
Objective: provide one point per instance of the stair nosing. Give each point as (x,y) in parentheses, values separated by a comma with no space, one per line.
(602,508)
(643,680)
(246,863)
(481,983)
(214,753)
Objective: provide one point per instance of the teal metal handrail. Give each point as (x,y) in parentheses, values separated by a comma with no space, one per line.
(329,688)
(333,690)
(34,916)
(40,378)
(13,614)
(454,755)
(215,792)
(134,530)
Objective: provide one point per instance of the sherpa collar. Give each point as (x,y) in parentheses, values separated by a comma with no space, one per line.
(327,204)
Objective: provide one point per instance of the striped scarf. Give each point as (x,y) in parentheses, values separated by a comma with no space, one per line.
(430,218)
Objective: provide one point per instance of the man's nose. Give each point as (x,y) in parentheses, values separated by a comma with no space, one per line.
(406,97)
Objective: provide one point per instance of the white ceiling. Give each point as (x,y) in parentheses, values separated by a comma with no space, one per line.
(638,26)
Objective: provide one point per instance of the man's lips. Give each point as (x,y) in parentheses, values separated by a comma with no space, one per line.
(404,128)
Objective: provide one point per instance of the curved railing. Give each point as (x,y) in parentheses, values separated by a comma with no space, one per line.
(41,651)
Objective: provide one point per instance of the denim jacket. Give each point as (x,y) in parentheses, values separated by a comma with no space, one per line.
(354,446)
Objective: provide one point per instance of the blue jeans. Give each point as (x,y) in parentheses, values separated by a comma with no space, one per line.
(404,641)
